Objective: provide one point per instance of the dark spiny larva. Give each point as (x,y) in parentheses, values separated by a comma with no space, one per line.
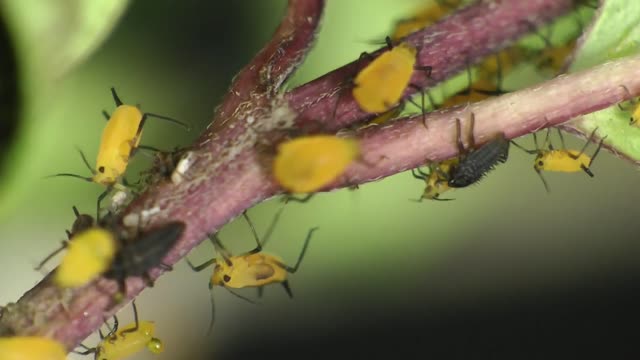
(478,163)
(137,257)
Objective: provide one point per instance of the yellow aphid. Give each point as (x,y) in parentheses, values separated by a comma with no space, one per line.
(561,160)
(251,269)
(120,136)
(31,348)
(128,341)
(635,116)
(121,343)
(424,17)
(308,163)
(88,255)
(437,180)
(120,139)
(554,58)
(380,85)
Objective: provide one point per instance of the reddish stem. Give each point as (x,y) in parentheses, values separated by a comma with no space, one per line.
(230,173)
(449,46)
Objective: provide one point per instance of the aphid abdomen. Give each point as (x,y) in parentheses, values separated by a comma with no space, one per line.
(479,162)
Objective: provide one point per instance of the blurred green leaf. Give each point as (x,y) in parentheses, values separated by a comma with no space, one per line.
(614,34)
(46,40)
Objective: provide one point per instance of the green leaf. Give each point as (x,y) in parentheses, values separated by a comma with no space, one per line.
(41,41)
(614,34)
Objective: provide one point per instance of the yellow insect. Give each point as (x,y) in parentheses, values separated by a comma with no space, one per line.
(561,160)
(425,17)
(488,82)
(379,86)
(306,164)
(88,255)
(121,343)
(251,269)
(553,57)
(437,179)
(635,114)
(120,140)
(31,348)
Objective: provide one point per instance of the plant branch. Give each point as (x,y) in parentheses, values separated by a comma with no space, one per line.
(230,173)
(449,46)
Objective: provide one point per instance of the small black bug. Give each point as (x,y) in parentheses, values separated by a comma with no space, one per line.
(475,164)
(137,257)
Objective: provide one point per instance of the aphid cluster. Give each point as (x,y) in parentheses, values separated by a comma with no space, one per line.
(102,247)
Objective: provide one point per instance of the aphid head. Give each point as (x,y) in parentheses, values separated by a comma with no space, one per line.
(538,165)
(155,345)
(221,273)
(105,176)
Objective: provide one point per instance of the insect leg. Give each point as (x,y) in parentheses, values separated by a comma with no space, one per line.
(54,253)
(302,253)
(459,137)
(135,317)
(523,149)
(106,115)
(100,197)
(171,120)
(419,175)
(213,311)
(116,99)
(202,266)
(220,248)
(255,235)
(472,123)
(304,199)
(546,186)
(593,134)
(85,161)
(597,151)
(287,288)
(275,220)
(260,291)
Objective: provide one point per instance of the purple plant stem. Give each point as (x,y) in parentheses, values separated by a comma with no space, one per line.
(449,46)
(230,173)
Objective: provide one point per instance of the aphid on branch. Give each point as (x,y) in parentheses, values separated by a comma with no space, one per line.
(88,255)
(305,164)
(436,180)
(379,86)
(120,140)
(251,269)
(561,160)
(31,348)
(635,113)
(121,343)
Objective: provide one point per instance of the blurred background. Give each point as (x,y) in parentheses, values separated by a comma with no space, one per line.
(504,271)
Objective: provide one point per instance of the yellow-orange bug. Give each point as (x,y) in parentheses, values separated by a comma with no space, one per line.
(120,140)
(251,269)
(31,348)
(88,255)
(121,343)
(436,180)
(561,160)
(307,163)
(379,86)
